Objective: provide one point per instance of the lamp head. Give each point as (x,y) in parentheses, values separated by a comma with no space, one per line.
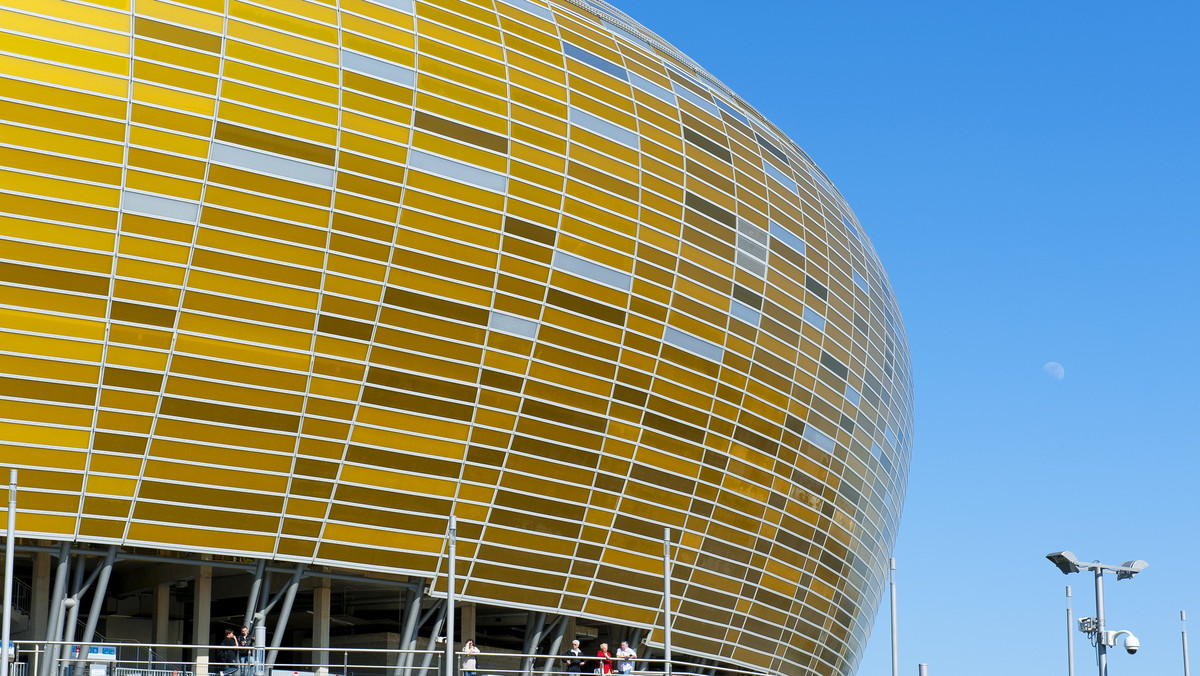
(1131,568)
(1065,561)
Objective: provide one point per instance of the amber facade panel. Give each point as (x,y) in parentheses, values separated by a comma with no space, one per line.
(350,268)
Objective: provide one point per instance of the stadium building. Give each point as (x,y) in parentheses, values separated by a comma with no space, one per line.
(284,284)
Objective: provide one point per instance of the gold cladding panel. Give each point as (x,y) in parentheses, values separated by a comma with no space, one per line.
(550,303)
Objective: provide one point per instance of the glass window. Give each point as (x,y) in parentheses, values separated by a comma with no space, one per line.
(749,263)
(256,160)
(751,247)
(506,323)
(458,171)
(852,396)
(821,180)
(163,207)
(652,88)
(402,5)
(591,270)
(531,7)
(853,230)
(818,438)
(384,70)
(816,288)
(691,77)
(699,101)
(860,281)
(812,317)
(744,312)
(753,235)
(729,109)
(786,236)
(603,127)
(773,149)
(690,343)
(777,174)
(598,62)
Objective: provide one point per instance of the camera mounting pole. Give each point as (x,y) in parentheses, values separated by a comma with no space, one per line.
(1068,563)
(1101,645)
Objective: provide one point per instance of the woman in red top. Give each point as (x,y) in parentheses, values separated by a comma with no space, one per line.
(605,660)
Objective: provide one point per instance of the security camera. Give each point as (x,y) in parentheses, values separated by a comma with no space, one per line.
(1132,644)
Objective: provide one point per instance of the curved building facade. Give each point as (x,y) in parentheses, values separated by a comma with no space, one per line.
(342,269)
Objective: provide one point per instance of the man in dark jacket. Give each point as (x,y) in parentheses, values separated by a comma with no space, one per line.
(245,642)
(573,659)
(227,654)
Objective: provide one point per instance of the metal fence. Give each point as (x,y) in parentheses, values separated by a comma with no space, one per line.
(138,659)
(134,659)
(139,671)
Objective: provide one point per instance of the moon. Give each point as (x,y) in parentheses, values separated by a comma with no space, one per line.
(1054,370)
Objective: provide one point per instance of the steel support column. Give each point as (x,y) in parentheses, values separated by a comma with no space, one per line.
(255,588)
(285,612)
(89,631)
(433,636)
(408,634)
(557,631)
(535,624)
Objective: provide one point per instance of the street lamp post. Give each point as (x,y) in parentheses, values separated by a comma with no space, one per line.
(1070,637)
(1094,627)
(451,583)
(1183,630)
(667,601)
(6,632)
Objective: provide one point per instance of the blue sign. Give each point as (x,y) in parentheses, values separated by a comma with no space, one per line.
(98,653)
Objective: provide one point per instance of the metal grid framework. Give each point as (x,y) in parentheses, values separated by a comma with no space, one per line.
(299,279)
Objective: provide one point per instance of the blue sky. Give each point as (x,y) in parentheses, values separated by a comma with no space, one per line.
(1029,173)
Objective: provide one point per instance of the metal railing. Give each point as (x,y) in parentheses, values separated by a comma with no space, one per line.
(111,659)
(21,595)
(138,671)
